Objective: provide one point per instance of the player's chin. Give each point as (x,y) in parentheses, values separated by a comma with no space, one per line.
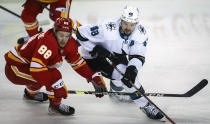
(128,32)
(62,45)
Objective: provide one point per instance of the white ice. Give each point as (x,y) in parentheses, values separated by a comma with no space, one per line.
(178,57)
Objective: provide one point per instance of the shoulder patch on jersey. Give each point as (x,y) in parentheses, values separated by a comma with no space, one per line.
(141,29)
(111,26)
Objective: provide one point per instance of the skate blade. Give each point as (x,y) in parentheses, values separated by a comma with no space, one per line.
(34,101)
(52,112)
(163,119)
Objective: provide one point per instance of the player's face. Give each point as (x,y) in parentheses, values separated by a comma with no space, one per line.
(62,38)
(127,28)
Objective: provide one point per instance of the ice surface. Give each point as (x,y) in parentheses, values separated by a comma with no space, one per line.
(177,59)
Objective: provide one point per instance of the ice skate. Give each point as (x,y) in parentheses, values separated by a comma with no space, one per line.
(39,97)
(61,109)
(121,98)
(151,111)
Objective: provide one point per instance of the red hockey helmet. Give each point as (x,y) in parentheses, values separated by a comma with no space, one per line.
(63,24)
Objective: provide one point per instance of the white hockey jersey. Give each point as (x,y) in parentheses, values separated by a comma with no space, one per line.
(107,34)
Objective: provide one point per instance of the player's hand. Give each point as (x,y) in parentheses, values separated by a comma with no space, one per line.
(60,90)
(98,84)
(101,52)
(129,76)
(119,58)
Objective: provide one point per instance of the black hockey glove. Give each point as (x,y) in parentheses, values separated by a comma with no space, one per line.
(119,59)
(100,52)
(129,76)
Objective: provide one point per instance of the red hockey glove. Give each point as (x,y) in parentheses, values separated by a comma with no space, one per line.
(98,84)
(60,90)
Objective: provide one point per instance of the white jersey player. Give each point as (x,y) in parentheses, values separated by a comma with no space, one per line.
(118,39)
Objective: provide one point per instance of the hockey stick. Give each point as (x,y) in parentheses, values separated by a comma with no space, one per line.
(104,93)
(189,93)
(69,8)
(9,11)
(44,22)
(110,62)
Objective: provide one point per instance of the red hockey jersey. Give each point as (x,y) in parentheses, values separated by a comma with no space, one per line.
(43,55)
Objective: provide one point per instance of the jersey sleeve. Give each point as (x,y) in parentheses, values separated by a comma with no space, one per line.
(138,47)
(90,35)
(76,61)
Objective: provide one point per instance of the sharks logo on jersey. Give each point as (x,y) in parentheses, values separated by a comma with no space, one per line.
(111,26)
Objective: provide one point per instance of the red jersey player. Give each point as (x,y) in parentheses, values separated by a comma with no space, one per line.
(58,8)
(34,64)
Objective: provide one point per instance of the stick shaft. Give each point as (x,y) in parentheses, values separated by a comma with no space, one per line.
(189,93)
(110,62)
(11,12)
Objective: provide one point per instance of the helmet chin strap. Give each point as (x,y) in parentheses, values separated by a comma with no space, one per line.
(54,31)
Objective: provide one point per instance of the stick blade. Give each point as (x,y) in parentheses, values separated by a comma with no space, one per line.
(197,88)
